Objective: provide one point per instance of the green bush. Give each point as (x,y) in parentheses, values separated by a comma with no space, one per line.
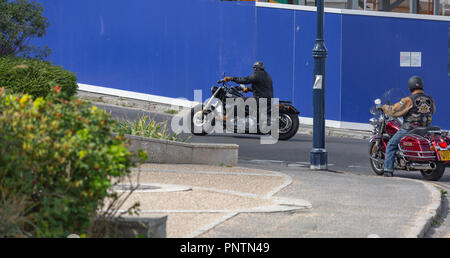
(35,77)
(62,156)
(20,21)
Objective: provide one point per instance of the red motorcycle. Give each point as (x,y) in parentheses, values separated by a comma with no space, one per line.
(424,149)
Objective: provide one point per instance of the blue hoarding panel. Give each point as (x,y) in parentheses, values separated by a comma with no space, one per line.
(275,47)
(166,48)
(305,36)
(371,62)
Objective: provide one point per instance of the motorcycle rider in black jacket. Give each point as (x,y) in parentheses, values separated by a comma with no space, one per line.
(261,84)
(416,111)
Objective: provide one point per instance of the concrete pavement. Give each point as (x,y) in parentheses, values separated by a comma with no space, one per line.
(207,201)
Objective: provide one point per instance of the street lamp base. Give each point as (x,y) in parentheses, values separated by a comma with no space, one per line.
(319,159)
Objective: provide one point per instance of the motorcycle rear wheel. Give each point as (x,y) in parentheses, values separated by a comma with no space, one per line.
(377,167)
(289,124)
(435,174)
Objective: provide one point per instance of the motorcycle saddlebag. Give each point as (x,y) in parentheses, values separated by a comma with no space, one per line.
(416,148)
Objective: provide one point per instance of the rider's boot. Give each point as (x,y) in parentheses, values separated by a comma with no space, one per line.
(388,174)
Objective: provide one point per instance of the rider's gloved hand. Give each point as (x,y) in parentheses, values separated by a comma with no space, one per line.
(245,90)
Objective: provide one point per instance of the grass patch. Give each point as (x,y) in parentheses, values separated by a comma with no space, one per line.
(147,127)
(171,111)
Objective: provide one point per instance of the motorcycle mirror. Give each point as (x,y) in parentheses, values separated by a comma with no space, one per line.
(377,101)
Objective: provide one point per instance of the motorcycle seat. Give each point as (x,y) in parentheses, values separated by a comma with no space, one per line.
(419,131)
(434,128)
(422,131)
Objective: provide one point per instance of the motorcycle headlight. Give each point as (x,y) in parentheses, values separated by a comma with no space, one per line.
(373,121)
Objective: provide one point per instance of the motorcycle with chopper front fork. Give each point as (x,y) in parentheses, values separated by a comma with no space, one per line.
(204,117)
(424,149)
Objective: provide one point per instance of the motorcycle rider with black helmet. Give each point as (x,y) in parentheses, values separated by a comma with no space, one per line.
(261,85)
(416,111)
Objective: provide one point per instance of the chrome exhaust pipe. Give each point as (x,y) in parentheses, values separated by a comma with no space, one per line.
(427,166)
(433,165)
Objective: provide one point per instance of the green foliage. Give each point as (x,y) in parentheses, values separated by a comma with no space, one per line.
(171,111)
(20,21)
(35,77)
(13,214)
(62,156)
(147,127)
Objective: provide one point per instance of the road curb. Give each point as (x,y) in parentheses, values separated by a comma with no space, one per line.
(337,132)
(424,223)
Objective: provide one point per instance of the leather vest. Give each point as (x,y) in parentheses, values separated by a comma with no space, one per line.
(420,114)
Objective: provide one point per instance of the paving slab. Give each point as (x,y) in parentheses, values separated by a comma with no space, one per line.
(207,195)
(187,225)
(196,200)
(252,184)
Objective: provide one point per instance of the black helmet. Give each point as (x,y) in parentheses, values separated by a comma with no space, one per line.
(415,83)
(258,65)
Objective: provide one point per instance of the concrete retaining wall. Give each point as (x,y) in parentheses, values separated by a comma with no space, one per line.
(149,227)
(164,151)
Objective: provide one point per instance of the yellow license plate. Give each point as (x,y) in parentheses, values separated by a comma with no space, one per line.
(445,155)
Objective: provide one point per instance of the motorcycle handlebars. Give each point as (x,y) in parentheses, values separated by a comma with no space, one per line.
(225,83)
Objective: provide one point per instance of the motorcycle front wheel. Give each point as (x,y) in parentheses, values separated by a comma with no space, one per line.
(375,156)
(201,121)
(435,174)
